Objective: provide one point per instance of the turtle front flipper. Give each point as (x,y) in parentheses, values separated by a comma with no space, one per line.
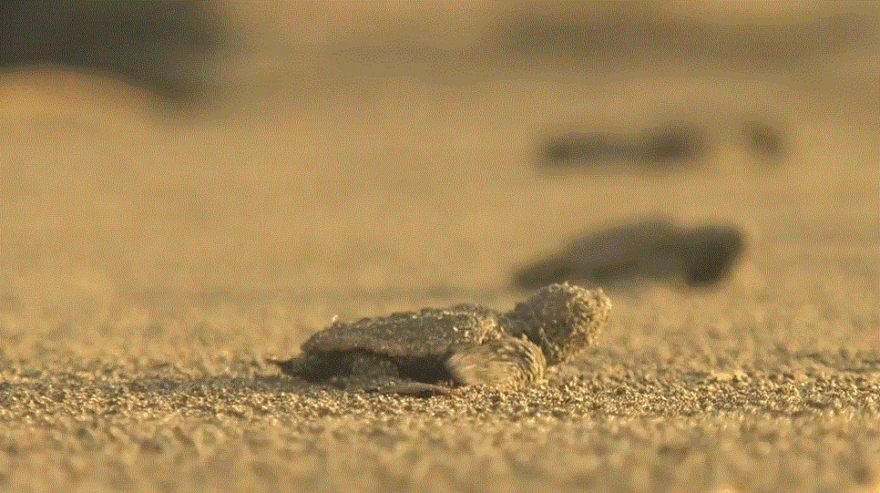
(506,362)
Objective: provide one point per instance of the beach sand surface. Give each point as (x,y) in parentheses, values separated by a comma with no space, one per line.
(352,163)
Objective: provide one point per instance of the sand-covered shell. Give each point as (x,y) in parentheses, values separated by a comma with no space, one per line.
(430,332)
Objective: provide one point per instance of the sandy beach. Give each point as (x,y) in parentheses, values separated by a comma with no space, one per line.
(354,163)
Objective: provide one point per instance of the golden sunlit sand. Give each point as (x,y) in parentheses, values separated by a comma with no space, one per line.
(151,261)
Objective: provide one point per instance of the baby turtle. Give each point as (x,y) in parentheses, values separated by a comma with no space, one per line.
(432,349)
(655,249)
(653,149)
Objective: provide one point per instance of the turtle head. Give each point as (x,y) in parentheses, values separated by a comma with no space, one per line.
(563,319)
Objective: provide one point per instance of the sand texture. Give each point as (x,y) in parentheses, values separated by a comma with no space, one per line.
(153,255)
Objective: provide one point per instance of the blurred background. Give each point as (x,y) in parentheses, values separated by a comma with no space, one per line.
(349,157)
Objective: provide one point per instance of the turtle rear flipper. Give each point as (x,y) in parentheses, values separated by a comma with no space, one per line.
(505,362)
(309,367)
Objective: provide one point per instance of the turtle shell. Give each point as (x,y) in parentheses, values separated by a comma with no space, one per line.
(427,333)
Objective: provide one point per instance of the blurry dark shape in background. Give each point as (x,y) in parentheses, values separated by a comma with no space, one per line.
(576,148)
(658,148)
(646,31)
(651,250)
(764,140)
(165,46)
(673,142)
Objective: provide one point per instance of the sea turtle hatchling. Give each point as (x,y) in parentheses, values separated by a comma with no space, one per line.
(432,349)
